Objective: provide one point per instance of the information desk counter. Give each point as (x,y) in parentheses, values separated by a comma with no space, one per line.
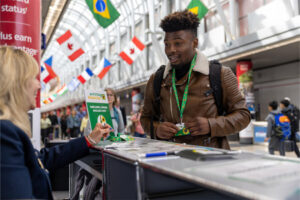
(128,174)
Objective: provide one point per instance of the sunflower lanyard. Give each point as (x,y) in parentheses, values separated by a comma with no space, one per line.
(184,98)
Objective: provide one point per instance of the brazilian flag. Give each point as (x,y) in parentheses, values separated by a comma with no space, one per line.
(104,12)
(198,8)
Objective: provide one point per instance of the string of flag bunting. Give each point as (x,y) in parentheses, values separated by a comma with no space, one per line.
(105,14)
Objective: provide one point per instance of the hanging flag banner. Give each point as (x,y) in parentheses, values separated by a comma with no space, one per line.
(97,107)
(104,67)
(74,83)
(104,12)
(46,101)
(132,51)
(62,90)
(47,73)
(70,46)
(45,76)
(50,99)
(198,8)
(85,76)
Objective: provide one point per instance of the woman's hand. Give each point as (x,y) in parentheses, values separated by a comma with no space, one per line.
(100,131)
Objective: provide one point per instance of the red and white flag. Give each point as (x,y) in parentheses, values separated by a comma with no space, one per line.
(70,45)
(132,51)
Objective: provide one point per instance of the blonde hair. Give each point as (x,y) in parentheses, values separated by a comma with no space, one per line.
(114,93)
(16,69)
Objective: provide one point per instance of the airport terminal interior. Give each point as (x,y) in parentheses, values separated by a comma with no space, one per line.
(97,63)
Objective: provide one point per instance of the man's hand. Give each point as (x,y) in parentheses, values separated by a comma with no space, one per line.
(199,126)
(166,130)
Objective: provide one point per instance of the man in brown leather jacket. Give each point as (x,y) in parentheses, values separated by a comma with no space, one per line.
(188,72)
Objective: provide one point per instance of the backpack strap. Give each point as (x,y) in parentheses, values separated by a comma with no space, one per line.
(158,77)
(216,85)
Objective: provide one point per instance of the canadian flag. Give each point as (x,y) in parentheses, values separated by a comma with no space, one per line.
(70,46)
(132,51)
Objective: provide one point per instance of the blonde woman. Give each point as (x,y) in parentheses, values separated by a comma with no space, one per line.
(24,171)
(116,114)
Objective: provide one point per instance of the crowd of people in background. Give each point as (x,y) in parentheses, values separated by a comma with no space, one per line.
(73,121)
(280,139)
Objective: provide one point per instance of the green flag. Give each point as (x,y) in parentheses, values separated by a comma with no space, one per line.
(103,11)
(198,8)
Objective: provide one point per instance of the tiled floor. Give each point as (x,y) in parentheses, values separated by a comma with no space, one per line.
(259,148)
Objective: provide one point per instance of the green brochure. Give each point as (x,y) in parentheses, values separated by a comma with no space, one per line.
(97,107)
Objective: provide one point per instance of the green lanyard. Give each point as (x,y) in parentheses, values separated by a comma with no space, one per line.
(184,99)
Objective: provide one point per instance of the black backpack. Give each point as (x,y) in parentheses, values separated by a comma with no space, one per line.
(294,118)
(215,84)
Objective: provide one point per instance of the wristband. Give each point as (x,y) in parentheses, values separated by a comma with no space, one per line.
(91,140)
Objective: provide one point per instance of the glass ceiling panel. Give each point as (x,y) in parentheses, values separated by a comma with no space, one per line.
(89,34)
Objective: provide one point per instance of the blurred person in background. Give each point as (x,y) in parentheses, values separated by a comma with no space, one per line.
(54,123)
(63,125)
(123,111)
(135,118)
(84,123)
(115,113)
(73,124)
(81,113)
(293,114)
(45,125)
(275,143)
(24,170)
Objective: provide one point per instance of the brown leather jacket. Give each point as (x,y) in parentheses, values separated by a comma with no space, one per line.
(198,104)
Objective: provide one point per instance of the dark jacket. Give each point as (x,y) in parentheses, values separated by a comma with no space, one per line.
(288,111)
(24,170)
(274,141)
(199,104)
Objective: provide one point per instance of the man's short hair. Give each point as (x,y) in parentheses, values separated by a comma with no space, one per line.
(285,102)
(183,20)
(273,105)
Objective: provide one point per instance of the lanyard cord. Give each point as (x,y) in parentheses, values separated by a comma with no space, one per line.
(184,98)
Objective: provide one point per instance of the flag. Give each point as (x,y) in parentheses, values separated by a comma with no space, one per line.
(70,46)
(46,101)
(85,75)
(131,52)
(52,97)
(62,90)
(104,12)
(198,8)
(74,83)
(47,74)
(104,67)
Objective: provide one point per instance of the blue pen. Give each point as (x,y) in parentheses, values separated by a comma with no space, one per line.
(148,155)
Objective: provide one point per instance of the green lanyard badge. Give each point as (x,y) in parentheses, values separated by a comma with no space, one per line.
(183,130)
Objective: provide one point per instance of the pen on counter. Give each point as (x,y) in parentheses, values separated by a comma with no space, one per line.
(148,155)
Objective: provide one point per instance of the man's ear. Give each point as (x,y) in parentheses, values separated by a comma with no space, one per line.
(195,43)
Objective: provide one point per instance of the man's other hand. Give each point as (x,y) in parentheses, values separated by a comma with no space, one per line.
(166,130)
(199,126)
